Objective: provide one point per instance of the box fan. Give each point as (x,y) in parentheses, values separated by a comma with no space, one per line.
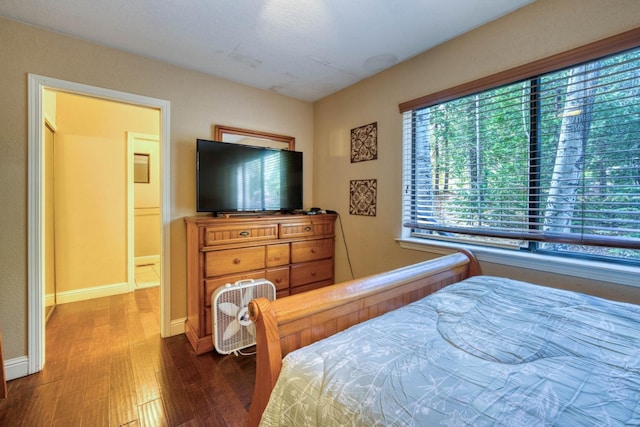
(232,328)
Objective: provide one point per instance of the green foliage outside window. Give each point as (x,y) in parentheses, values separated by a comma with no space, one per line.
(551,163)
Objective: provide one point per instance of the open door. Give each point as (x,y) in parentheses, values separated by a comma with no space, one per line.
(49,229)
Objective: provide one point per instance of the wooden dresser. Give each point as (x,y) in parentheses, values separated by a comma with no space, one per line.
(294,252)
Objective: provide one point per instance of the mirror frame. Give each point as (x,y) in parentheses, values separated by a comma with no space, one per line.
(282,141)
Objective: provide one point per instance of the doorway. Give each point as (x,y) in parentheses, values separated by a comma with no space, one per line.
(36,194)
(143,209)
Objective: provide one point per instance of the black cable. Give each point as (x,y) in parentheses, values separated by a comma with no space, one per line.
(344,240)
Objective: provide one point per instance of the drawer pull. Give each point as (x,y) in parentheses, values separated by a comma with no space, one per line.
(279,280)
(244,233)
(313,250)
(236,261)
(313,273)
(307,228)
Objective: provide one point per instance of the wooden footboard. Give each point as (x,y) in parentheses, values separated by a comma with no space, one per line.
(289,323)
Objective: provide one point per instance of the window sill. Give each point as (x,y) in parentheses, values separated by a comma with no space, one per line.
(594,270)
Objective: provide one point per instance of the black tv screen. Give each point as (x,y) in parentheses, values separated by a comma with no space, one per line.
(234,177)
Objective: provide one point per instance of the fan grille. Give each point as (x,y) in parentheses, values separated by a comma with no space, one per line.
(232,328)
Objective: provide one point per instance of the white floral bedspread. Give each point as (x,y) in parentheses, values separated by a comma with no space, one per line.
(485,351)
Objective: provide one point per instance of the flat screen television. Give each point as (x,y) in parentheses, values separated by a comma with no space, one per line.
(241,178)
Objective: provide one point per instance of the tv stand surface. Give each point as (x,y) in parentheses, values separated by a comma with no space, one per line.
(254,214)
(293,251)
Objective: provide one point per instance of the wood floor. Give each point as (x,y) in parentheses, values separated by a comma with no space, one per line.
(106,365)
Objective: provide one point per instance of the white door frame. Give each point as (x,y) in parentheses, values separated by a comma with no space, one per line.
(35,200)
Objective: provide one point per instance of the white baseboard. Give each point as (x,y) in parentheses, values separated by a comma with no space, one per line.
(49,300)
(177,326)
(145,285)
(16,368)
(90,293)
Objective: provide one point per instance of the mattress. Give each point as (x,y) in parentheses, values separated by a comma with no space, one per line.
(484,351)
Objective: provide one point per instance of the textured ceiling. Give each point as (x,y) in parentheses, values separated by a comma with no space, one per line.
(306,49)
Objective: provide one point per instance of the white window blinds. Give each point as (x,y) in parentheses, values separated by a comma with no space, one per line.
(554,158)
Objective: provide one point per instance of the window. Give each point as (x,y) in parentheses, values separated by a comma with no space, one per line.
(548,162)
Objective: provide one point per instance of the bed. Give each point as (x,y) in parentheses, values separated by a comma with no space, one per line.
(437,343)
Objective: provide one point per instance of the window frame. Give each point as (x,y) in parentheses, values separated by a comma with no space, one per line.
(588,268)
(609,46)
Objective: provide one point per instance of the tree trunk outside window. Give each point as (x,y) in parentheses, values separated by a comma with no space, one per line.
(569,162)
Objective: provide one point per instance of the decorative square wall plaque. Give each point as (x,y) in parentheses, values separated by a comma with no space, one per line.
(363,197)
(364,143)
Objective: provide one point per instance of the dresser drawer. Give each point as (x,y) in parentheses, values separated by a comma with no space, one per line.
(277,255)
(309,272)
(311,250)
(307,227)
(279,277)
(236,233)
(210,285)
(232,261)
(301,228)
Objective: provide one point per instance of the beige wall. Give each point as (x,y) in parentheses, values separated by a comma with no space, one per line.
(146,201)
(147,194)
(198,102)
(90,213)
(146,242)
(539,30)
(91,188)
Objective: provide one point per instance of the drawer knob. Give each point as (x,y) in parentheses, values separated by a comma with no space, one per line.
(279,280)
(244,233)
(313,273)
(236,261)
(307,228)
(313,250)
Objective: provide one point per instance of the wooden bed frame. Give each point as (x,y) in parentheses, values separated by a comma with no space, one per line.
(289,323)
